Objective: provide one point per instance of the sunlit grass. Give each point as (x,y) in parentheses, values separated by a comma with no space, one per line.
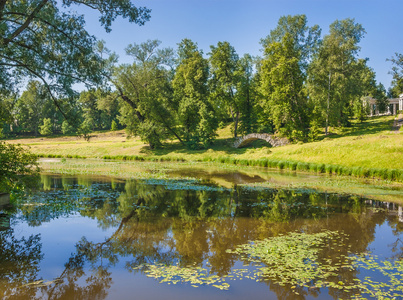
(366,149)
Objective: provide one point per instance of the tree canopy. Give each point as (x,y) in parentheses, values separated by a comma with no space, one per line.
(397,73)
(302,83)
(42,39)
(45,41)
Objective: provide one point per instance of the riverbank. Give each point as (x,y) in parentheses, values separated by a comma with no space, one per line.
(369,149)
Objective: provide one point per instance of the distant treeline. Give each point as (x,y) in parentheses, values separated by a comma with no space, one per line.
(303,84)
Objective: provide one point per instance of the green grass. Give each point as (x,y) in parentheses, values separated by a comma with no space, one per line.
(367,149)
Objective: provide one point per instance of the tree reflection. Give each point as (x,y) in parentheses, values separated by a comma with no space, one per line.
(19,264)
(172,224)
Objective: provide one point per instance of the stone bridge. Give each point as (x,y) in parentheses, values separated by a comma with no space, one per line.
(271,139)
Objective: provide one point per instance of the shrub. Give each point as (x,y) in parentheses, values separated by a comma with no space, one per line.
(67,128)
(46,128)
(114,126)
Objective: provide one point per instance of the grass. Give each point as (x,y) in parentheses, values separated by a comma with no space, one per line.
(367,149)
(223,175)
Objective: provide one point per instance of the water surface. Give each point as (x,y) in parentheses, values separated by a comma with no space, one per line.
(82,237)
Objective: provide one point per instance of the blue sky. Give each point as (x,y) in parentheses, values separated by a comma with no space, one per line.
(244,22)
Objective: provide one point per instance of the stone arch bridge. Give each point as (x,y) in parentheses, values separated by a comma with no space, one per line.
(271,139)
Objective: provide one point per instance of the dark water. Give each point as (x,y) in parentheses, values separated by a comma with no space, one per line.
(95,238)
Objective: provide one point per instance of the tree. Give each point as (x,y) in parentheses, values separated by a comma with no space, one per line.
(31,107)
(46,128)
(114,126)
(306,39)
(195,113)
(67,128)
(397,72)
(247,93)
(332,73)
(282,86)
(224,63)
(18,167)
(144,88)
(39,40)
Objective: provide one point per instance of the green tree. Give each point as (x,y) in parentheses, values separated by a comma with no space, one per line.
(333,73)
(282,85)
(365,87)
(306,39)
(231,86)
(7,113)
(247,93)
(18,167)
(397,72)
(224,80)
(42,39)
(67,128)
(195,113)
(144,88)
(31,107)
(46,128)
(39,41)
(85,128)
(114,125)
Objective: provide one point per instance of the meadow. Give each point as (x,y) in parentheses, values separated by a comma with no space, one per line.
(369,149)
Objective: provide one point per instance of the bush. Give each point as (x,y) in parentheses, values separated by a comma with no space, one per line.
(67,128)
(18,167)
(114,126)
(46,128)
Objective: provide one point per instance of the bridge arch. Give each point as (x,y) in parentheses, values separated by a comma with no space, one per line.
(242,141)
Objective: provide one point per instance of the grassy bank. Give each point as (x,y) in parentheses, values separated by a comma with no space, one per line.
(225,175)
(369,149)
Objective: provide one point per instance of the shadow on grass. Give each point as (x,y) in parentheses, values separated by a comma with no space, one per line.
(221,145)
(372,125)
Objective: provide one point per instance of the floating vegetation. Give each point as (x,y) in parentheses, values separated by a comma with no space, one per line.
(185,184)
(196,276)
(291,259)
(295,261)
(391,288)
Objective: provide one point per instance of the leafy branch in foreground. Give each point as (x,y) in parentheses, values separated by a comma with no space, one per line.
(17,166)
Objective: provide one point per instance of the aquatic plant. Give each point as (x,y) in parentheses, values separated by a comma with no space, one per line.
(297,261)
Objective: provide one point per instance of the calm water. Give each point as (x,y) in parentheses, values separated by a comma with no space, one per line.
(99,238)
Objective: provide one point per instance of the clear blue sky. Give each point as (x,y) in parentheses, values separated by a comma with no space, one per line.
(244,22)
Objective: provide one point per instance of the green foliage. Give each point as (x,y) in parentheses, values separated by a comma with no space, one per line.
(314,130)
(144,88)
(336,77)
(86,128)
(361,109)
(18,167)
(114,126)
(67,57)
(397,73)
(282,82)
(224,63)
(67,128)
(32,106)
(195,114)
(46,128)
(306,39)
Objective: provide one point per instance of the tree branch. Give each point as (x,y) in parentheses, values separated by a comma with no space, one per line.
(26,23)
